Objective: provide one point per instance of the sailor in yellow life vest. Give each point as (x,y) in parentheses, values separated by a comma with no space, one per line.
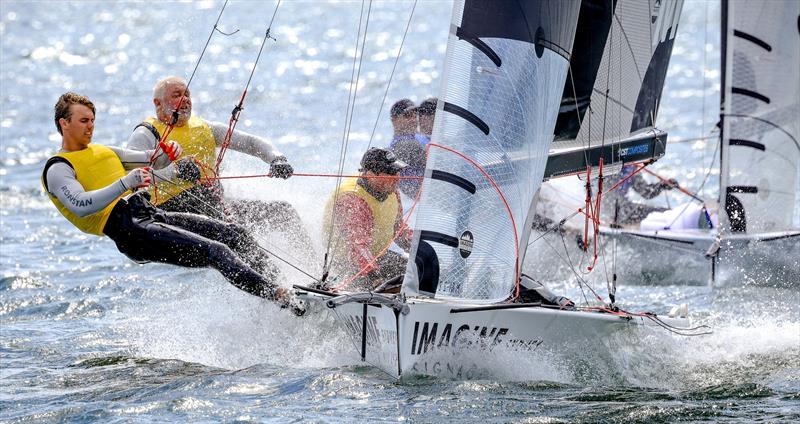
(367,213)
(183,191)
(89,185)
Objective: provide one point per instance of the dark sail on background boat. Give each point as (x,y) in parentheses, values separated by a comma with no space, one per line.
(617,70)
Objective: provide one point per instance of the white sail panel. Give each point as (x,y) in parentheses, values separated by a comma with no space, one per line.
(494,124)
(761,116)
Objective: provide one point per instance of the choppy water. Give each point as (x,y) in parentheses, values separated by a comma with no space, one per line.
(86,335)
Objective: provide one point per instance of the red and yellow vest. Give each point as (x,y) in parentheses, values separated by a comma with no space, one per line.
(197,141)
(384,216)
(96,167)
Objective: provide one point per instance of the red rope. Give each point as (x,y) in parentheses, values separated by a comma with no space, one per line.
(300,174)
(619,183)
(596,215)
(588,213)
(681,189)
(162,143)
(231,127)
(505,203)
(383,251)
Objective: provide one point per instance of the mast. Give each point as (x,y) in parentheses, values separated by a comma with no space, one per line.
(724,127)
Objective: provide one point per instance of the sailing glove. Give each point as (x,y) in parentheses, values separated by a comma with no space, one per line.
(670,184)
(173,149)
(138,178)
(280,168)
(188,170)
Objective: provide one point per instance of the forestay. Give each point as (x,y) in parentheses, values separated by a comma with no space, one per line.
(760,156)
(504,74)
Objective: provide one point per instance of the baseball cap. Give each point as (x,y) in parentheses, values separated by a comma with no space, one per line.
(381,161)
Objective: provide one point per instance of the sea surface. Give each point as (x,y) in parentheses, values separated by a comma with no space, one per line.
(88,336)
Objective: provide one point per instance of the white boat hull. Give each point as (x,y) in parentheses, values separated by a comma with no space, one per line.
(769,259)
(456,340)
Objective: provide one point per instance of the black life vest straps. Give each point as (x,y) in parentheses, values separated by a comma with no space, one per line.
(152,130)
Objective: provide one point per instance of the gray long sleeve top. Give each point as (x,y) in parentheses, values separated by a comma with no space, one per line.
(143,139)
(62,182)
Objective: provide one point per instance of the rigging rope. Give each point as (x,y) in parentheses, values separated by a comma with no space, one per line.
(237,110)
(351,100)
(391,75)
(162,142)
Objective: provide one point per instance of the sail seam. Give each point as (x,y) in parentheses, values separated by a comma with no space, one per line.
(437,237)
(788,134)
(741,189)
(454,179)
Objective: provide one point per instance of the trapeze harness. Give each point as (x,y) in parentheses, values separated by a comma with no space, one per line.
(145,233)
(198,142)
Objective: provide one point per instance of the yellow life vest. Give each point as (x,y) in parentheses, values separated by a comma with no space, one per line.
(197,141)
(96,167)
(384,216)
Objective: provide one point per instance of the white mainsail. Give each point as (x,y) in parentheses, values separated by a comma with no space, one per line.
(504,75)
(760,159)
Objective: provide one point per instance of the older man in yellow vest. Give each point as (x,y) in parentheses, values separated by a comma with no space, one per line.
(367,214)
(88,184)
(192,187)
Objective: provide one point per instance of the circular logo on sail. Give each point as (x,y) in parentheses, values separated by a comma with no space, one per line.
(465,244)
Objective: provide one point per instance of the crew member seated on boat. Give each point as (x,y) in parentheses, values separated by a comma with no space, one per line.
(532,291)
(367,214)
(619,209)
(196,190)
(89,185)
(407,146)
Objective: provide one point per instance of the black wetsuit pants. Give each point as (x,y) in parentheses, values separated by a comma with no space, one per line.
(279,215)
(145,233)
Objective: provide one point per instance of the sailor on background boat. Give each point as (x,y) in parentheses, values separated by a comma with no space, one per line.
(619,209)
(406,145)
(88,184)
(367,213)
(200,140)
